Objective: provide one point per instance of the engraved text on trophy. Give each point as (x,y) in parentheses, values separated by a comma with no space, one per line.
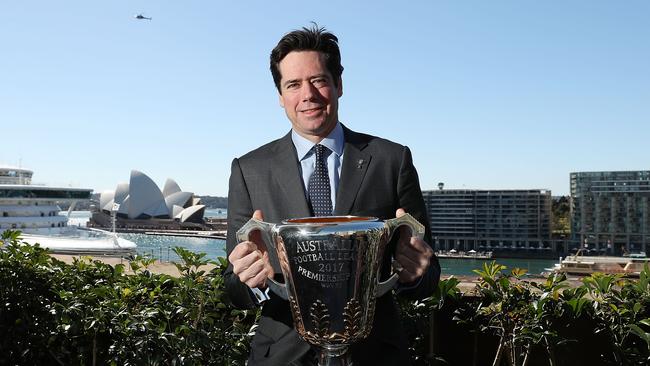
(329,262)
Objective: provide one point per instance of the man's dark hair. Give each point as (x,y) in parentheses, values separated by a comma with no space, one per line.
(308,39)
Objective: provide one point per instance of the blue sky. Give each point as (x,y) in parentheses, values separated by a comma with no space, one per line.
(487,94)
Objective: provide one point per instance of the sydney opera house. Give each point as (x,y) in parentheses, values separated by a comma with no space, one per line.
(141,202)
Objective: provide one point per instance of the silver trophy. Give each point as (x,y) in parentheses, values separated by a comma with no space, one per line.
(331,267)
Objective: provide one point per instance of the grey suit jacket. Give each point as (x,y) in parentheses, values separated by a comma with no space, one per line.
(269,179)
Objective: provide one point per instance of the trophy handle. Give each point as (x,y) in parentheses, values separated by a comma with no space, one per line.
(278,288)
(389,284)
(266,231)
(243,234)
(417,229)
(391,225)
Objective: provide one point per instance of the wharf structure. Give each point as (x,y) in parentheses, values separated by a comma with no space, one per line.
(610,211)
(508,223)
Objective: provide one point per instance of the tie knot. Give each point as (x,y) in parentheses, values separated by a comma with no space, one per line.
(320,151)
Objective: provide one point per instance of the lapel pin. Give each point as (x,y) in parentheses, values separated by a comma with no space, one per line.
(360,164)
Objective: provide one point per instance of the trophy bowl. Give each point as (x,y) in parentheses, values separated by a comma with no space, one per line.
(331,267)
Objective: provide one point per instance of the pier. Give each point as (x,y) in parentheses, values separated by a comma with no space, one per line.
(472,254)
(206,234)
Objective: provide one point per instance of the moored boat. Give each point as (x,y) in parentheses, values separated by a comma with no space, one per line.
(578,264)
(34,210)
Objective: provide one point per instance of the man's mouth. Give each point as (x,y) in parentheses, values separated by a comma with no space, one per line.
(312,110)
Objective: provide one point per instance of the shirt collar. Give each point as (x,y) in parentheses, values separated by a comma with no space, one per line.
(334,141)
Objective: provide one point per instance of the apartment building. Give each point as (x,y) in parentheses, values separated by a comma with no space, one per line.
(490,220)
(610,211)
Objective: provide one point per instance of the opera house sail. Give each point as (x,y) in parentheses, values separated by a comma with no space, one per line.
(140,203)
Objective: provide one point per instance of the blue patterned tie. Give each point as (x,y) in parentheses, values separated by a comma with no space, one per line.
(319,185)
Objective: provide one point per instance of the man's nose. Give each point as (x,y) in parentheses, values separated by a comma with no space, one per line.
(308,92)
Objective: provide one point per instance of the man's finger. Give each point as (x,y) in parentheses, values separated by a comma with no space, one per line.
(410,270)
(252,269)
(404,231)
(420,245)
(241,250)
(415,256)
(258,215)
(257,273)
(258,281)
(243,263)
(406,262)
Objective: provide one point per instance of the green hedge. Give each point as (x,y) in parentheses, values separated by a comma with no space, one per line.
(510,319)
(90,313)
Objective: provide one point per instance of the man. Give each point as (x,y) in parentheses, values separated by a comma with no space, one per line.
(322,168)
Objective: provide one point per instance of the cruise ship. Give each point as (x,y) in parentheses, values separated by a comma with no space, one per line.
(34,210)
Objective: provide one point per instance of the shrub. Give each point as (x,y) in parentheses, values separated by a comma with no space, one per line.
(603,321)
(91,313)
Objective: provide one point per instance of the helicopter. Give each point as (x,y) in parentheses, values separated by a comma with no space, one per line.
(141,17)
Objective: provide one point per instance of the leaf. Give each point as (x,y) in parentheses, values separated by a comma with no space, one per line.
(352,316)
(519,272)
(645,322)
(320,318)
(505,283)
(447,288)
(639,332)
(576,305)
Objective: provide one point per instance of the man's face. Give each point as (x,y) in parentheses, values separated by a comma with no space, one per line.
(308,94)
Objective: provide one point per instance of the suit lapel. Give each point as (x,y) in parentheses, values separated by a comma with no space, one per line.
(289,178)
(355,165)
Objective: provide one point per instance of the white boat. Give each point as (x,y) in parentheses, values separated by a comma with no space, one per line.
(579,264)
(33,209)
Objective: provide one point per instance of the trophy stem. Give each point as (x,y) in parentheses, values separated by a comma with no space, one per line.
(334,356)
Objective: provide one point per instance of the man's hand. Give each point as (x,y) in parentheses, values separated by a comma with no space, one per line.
(412,254)
(250,259)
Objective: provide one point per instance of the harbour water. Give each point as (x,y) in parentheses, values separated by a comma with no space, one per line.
(160,247)
(454,266)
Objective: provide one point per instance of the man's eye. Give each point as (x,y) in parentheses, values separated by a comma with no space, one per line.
(320,82)
(292,85)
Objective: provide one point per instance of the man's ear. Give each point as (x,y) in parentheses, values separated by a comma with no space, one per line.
(340,87)
(280,99)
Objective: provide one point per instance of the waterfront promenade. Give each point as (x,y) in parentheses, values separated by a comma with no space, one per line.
(467,282)
(159,267)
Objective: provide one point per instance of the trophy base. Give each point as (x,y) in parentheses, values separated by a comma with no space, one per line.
(334,356)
